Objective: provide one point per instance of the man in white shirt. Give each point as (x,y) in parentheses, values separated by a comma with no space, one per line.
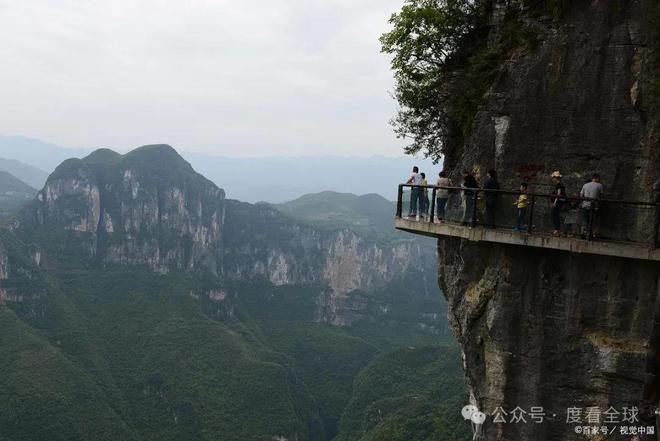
(591,191)
(415,192)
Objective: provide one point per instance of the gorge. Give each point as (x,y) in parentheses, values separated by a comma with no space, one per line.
(138,302)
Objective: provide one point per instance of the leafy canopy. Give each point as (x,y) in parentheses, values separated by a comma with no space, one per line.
(426,40)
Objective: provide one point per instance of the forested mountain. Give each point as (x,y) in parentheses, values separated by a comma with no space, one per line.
(138,303)
(369,213)
(13,194)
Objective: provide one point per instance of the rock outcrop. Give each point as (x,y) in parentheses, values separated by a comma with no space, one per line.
(547,328)
(150,208)
(261,242)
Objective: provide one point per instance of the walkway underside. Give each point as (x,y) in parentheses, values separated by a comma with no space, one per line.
(573,245)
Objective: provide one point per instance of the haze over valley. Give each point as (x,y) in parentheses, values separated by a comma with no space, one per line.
(270,179)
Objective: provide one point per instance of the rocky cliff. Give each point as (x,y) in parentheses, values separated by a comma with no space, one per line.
(546,328)
(147,207)
(261,242)
(150,208)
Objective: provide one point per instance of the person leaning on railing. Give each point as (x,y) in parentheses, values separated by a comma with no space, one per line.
(442,194)
(491,185)
(424,199)
(469,182)
(592,191)
(415,193)
(521,206)
(557,202)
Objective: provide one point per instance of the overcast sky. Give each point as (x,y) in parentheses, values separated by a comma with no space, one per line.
(238,78)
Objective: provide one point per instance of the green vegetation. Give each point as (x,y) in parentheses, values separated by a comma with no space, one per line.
(332,209)
(127,354)
(157,362)
(430,38)
(369,215)
(432,41)
(408,394)
(46,395)
(90,350)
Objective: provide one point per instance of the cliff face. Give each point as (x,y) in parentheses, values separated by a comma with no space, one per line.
(149,208)
(262,243)
(545,328)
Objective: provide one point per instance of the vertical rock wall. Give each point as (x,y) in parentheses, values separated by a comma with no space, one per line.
(547,328)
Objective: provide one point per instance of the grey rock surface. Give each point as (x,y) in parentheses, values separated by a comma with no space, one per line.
(546,328)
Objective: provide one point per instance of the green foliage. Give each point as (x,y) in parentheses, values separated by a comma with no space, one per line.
(45,395)
(174,373)
(326,358)
(443,65)
(408,395)
(128,354)
(428,37)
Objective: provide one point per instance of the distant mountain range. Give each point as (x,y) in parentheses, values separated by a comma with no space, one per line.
(371,214)
(30,175)
(274,179)
(282,179)
(13,194)
(40,154)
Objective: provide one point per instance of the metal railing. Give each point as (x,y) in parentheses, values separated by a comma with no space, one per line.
(605,220)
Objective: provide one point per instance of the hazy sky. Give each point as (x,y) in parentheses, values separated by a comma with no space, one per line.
(248,77)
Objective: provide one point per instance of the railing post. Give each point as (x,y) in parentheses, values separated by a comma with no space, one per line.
(432,213)
(530,224)
(399,202)
(474,207)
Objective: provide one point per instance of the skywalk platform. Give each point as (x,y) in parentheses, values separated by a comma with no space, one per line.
(504,236)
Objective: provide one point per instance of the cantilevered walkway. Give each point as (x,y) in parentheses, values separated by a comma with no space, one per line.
(629,229)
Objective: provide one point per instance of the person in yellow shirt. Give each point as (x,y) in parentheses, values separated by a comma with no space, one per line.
(521,205)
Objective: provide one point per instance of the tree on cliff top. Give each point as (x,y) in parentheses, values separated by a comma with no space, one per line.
(427,40)
(445,58)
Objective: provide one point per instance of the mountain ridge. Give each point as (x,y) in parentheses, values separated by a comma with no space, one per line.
(185,315)
(273,179)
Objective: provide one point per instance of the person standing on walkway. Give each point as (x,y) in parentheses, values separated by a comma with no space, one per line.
(442,195)
(425,197)
(470,184)
(591,192)
(491,186)
(415,192)
(521,206)
(557,202)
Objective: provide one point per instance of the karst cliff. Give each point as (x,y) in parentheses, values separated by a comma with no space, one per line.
(548,328)
(150,209)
